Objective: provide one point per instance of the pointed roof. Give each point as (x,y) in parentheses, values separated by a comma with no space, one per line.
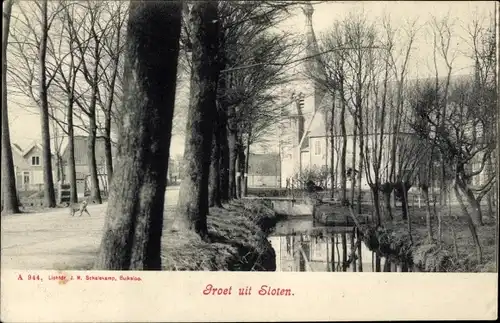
(17,148)
(311,43)
(31,147)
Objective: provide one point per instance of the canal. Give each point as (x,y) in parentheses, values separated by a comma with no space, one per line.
(301,245)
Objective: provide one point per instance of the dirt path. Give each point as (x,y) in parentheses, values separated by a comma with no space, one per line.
(54,240)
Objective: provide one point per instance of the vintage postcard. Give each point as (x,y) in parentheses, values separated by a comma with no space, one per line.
(171,161)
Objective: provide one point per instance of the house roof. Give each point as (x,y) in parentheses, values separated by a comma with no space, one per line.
(31,147)
(80,146)
(264,164)
(17,149)
(28,149)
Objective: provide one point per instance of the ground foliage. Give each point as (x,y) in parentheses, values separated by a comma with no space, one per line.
(450,255)
(238,234)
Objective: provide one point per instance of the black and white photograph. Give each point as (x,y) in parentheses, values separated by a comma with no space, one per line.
(254,136)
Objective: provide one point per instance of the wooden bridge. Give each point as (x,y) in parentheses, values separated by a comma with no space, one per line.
(324,212)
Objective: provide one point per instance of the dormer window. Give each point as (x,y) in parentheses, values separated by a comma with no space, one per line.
(35,160)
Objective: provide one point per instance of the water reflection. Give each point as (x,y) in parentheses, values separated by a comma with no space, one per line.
(301,246)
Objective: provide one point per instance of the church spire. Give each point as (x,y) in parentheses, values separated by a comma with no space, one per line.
(311,44)
(311,67)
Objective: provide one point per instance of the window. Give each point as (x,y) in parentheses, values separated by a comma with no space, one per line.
(317,147)
(35,161)
(26,177)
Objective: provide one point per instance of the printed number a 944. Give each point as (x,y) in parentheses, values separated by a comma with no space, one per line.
(33,277)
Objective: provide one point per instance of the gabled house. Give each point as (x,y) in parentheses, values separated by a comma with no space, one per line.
(82,163)
(28,167)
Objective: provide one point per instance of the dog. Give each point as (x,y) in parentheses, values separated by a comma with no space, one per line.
(75,207)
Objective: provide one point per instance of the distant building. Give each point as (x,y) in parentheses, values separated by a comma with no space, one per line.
(28,167)
(82,164)
(305,139)
(264,170)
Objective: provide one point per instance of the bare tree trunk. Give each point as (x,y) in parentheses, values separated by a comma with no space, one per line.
(477,215)
(134,219)
(10,203)
(353,168)
(428,218)
(247,161)
(343,179)
(360,165)
(214,180)
(233,154)
(333,178)
(224,164)
(109,109)
(472,227)
(193,194)
(71,157)
(49,194)
(241,170)
(376,203)
(108,149)
(386,189)
(95,192)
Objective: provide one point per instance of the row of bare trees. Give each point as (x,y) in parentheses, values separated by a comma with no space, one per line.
(65,57)
(234,61)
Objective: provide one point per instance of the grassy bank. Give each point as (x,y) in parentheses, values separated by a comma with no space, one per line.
(239,241)
(455,253)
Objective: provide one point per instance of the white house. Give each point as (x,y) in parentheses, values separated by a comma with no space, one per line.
(28,167)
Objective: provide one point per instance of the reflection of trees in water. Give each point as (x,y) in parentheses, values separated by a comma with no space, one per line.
(306,252)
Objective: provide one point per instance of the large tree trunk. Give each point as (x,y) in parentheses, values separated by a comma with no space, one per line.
(95,192)
(71,158)
(233,154)
(401,191)
(9,193)
(214,179)
(224,157)
(134,220)
(387,189)
(49,194)
(222,130)
(193,195)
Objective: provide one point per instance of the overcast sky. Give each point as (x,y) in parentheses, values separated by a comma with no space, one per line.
(25,126)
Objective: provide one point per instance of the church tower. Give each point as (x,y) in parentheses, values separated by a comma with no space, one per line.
(306,98)
(312,69)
